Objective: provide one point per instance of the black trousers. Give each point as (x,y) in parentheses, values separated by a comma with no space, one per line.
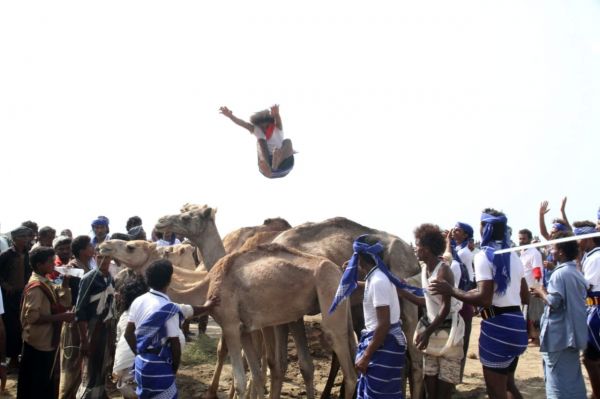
(12,323)
(35,380)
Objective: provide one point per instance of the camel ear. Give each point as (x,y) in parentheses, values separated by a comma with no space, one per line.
(209,212)
(181,250)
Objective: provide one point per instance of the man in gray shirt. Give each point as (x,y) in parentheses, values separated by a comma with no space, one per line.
(563,324)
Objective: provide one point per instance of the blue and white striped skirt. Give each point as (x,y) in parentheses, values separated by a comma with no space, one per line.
(502,339)
(593,323)
(384,373)
(154,377)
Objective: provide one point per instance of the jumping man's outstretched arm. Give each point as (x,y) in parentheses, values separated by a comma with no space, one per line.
(276,116)
(228,113)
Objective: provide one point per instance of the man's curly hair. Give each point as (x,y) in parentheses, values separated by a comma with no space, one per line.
(430,236)
(260,117)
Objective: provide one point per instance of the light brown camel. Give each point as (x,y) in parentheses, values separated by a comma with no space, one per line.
(237,238)
(181,255)
(138,255)
(333,240)
(291,284)
(197,223)
(191,287)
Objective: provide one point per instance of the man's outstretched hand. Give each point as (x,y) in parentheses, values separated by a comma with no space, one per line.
(226,111)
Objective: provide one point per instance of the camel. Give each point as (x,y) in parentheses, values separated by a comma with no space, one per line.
(197,223)
(181,255)
(333,240)
(237,238)
(292,284)
(138,255)
(191,287)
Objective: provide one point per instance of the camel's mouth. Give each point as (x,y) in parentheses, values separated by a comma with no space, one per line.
(104,250)
(163,223)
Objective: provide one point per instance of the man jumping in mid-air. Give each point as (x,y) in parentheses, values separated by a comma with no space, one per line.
(275,154)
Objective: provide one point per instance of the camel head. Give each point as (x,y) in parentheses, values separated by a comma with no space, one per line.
(276,224)
(191,222)
(134,254)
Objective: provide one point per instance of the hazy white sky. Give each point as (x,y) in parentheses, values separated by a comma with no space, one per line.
(402,112)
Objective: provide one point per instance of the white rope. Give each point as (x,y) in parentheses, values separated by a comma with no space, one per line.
(550,242)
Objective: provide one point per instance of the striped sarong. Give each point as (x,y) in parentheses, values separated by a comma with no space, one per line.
(384,374)
(154,374)
(503,338)
(593,321)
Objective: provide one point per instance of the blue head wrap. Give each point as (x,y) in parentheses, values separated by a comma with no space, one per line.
(559,227)
(502,261)
(349,280)
(584,230)
(100,221)
(468,230)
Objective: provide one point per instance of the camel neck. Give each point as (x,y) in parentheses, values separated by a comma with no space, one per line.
(210,245)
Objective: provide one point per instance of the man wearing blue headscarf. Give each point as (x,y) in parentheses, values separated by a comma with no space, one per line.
(589,249)
(501,289)
(381,352)
(460,257)
(101,230)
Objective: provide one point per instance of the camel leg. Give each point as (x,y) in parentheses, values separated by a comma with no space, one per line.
(341,347)
(304,359)
(214,385)
(257,343)
(234,345)
(338,327)
(334,367)
(279,362)
(409,318)
(254,365)
(276,380)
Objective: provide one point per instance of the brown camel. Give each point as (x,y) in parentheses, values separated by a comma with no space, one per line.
(181,255)
(333,240)
(291,284)
(187,286)
(197,223)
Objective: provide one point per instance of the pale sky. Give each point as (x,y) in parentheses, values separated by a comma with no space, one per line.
(402,112)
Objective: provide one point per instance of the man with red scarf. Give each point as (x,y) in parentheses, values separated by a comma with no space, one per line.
(275,153)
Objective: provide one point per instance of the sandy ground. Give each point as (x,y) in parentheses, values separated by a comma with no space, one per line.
(193,379)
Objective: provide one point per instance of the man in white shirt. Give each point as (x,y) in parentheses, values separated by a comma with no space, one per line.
(532,262)
(589,248)
(275,153)
(501,290)
(153,333)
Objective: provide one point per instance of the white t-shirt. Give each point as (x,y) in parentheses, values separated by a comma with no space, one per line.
(146,305)
(591,268)
(165,243)
(530,258)
(455,268)
(484,270)
(276,140)
(466,256)
(379,291)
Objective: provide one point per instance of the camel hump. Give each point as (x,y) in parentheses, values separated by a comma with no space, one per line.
(278,223)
